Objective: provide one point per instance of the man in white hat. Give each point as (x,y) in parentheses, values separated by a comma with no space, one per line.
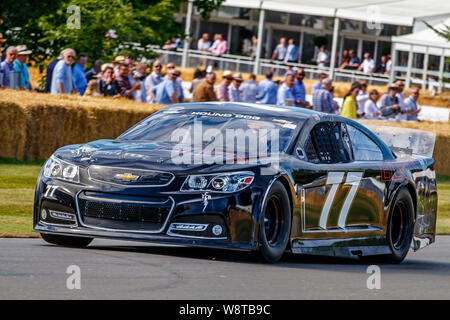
(235,92)
(20,65)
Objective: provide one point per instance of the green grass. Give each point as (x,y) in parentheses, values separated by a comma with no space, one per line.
(18,179)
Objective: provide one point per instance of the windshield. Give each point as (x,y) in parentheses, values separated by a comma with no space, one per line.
(230,131)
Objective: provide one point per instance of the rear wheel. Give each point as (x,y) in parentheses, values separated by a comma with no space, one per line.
(400,228)
(68,241)
(275,226)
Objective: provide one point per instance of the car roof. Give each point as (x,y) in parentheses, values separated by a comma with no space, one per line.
(251,108)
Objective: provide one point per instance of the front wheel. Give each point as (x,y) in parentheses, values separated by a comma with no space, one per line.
(274,230)
(67,241)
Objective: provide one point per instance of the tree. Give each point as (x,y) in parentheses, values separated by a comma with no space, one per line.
(105,29)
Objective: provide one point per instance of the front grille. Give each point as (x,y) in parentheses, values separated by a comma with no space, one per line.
(123,212)
(130,176)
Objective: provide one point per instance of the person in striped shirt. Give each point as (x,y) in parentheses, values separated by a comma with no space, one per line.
(323,99)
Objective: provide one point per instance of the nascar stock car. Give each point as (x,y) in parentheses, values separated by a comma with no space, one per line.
(246,177)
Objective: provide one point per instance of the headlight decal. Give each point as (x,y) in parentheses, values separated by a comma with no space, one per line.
(220,182)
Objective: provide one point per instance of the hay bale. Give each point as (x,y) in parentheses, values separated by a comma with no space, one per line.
(49,122)
(13,124)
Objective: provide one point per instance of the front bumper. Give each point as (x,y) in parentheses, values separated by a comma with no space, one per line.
(222,220)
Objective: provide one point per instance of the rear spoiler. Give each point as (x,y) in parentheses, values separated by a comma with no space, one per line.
(405,141)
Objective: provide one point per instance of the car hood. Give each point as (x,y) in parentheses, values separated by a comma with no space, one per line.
(140,155)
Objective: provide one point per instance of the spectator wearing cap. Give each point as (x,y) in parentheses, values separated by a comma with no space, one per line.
(222,89)
(205,89)
(20,65)
(153,80)
(79,74)
(389,102)
(280,51)
(349,106)
(235,91)
(117,62)
(62,79)
(412,108)
(95,71)
(362,97)
(318,84)
(291,52)
(299,89)
(267,90)
(323,99)
(249,89)
(286,95)
(165,92)
(7,66)
(368,64)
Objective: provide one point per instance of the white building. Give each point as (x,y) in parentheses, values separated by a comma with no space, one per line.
(363,25)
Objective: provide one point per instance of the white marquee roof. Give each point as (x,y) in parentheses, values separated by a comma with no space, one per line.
(425,38)
(397,12)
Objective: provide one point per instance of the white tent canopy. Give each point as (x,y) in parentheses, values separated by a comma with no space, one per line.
(425,38)
(397,12)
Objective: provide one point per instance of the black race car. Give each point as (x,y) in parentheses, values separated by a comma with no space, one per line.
(241,176)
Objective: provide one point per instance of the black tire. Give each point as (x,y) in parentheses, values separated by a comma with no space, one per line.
(67,241)
(400,229)
(275,227)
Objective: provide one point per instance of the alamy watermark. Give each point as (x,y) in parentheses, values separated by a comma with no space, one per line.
(374,280)
(74,20)
(74,279)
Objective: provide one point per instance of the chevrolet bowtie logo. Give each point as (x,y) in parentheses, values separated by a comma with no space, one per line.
(126,177)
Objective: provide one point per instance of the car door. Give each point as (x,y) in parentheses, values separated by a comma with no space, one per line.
(335,194)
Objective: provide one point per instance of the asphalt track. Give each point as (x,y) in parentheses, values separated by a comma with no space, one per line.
(32,269)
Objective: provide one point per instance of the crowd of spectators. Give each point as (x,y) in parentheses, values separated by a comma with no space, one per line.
(125,77)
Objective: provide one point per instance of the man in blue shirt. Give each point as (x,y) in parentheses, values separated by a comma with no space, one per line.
(20,65)
(249,89)
(318,84)
(285,95)
(299,89)
(62,80)
(267,90)
(292,52)
(411,105)
(234,89)
(322,98)
(165,92)
(79,74)
(354,60)
(7,66)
